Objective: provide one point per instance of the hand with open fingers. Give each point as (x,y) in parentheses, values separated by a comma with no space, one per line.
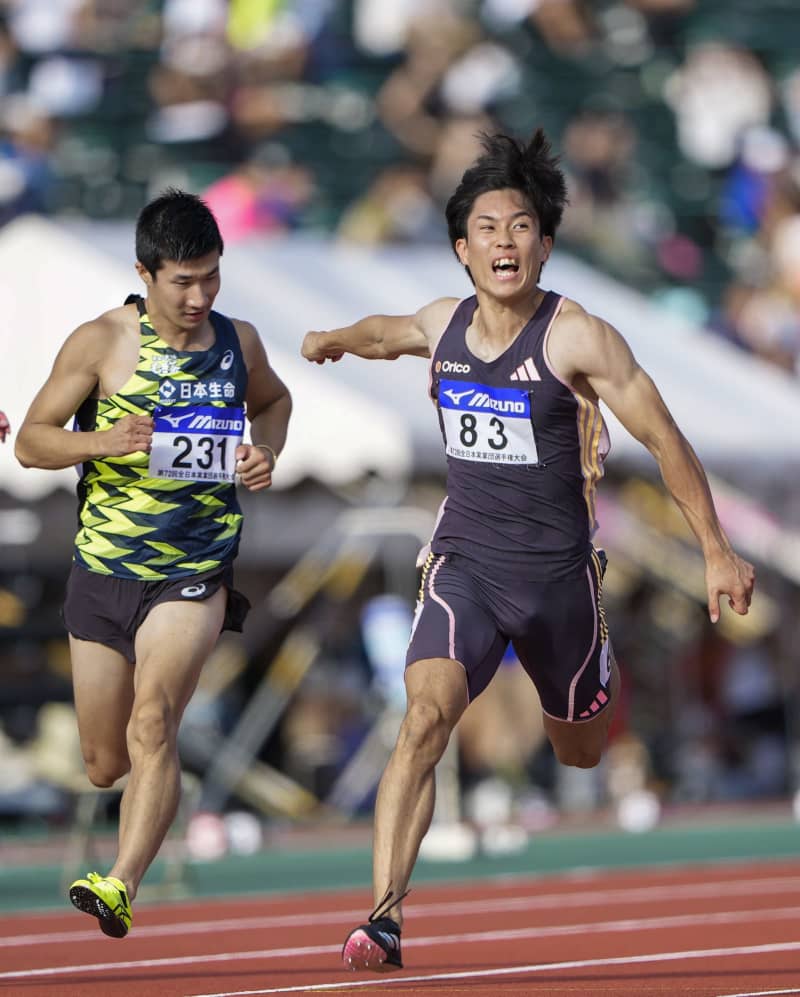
(728,574)
(314,349)
(131,434)
(254,466)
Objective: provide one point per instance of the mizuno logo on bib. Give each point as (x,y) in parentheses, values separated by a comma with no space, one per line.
(196,442)
(487,424)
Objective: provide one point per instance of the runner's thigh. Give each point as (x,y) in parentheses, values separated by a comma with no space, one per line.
(173,643)
(563,644)
(453,621)
(102,681)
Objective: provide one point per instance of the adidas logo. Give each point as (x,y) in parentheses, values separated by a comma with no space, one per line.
(389,940)
(599,700)
(526,371)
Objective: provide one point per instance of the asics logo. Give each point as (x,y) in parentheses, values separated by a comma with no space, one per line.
(227,360)
(193,591)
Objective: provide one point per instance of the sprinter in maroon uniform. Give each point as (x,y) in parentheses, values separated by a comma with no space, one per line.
(517,374)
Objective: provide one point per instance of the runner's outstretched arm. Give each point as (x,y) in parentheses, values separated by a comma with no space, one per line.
(382,337)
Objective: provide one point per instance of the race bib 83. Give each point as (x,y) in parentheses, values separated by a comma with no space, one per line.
(482,423)
(196,442)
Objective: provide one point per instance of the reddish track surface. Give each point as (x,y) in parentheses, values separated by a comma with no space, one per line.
(705,931)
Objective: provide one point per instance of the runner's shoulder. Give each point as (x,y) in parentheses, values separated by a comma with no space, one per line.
(434,317)
(98,337)
(575,327)
(245,330)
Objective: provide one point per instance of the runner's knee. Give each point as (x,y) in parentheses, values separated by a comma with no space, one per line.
(152,727)
(104,767)
(424,732)
(577,755)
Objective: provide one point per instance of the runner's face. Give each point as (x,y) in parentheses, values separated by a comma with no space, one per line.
(183,294)
(504,249)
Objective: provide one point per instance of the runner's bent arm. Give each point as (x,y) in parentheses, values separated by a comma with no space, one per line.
(43,441)
(382,337)
(597,351)
(269,406)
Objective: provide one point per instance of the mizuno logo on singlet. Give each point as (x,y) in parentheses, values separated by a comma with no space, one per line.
(482,400)
(209,422)
(526,371)
(176,420)
(456,396)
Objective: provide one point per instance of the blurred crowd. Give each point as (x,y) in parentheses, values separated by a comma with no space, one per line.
(678,122)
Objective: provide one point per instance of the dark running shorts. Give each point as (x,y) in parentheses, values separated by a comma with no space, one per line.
(109,610)
(557,629)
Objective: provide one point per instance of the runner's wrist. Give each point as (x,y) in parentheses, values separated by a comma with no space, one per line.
(268,449)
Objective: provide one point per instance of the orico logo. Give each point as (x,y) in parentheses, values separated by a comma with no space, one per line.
(452,367)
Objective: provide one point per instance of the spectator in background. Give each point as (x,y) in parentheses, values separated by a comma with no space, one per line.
(760,220)
(566,25)
(450,70)
(199,85)
(266,194)
(396,208)
(766,318)
(11,76)
(599,160)
(5,427)
(720,90)
(27,137)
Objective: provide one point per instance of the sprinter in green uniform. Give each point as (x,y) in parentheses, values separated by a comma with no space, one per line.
(159,391)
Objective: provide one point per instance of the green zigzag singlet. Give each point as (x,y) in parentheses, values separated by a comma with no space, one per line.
(139,527)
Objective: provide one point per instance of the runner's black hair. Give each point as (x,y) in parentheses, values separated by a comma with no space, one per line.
(175,226)
(509,163)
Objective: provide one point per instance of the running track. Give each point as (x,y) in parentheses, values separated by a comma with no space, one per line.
(706,931)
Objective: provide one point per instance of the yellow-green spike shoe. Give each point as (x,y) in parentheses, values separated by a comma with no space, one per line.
(106,898)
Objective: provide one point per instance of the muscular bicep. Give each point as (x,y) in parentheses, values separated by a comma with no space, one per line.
(627,389)
(638,405)
(403,335)
(264,386)
(418,335)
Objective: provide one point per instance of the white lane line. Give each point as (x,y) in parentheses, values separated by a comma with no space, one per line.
(762,993)
(625,926)
(438,909)
(186,960)
(524,970)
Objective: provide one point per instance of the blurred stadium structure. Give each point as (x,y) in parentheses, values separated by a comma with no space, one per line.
(326,135)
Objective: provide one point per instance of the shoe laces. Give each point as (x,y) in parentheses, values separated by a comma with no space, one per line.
(383,908)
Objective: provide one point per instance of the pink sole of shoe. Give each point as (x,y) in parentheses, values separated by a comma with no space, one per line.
(361,953)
